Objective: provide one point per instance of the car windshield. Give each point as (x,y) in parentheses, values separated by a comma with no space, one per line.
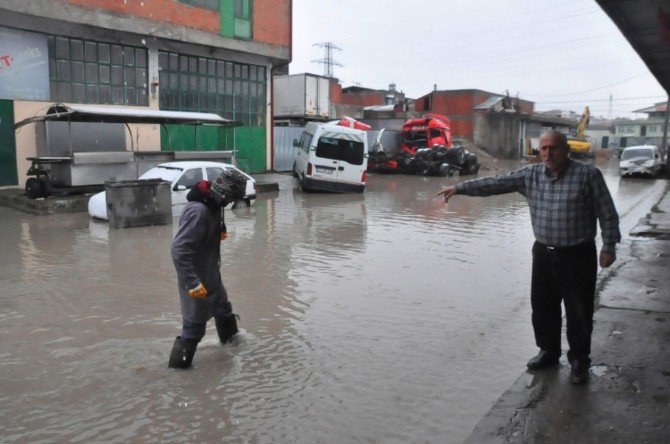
(645,153)
(160,172)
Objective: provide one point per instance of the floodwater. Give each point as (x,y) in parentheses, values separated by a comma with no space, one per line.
(381,317)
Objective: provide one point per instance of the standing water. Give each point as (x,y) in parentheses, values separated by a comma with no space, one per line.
(380,317)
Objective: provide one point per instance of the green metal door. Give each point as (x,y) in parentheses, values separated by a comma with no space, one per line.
(8,175)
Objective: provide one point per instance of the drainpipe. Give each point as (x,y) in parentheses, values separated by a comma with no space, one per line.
(272,119)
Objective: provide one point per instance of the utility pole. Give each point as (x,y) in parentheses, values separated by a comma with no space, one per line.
(609,115)
(327,61)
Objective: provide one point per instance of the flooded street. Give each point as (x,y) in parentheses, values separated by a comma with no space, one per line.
(381,317)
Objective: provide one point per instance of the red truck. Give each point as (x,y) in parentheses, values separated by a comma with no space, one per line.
(426,132)
(426,148)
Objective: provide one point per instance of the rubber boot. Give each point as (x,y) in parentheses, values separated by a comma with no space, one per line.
(226,327)
(182,352)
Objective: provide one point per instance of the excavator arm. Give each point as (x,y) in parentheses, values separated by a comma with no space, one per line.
(583,123)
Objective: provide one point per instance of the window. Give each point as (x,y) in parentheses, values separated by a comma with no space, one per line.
(643,153)
(213,173)
(190,178)
(305,141)
(84,71)
(236,19)
(207,4)
(233,90)
(340,149)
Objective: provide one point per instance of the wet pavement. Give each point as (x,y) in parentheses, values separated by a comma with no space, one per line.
(627,398)
(381,317)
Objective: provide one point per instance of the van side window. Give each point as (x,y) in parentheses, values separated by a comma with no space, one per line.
(305,141)
(339,149)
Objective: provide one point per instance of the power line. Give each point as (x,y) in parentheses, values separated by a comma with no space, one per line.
(601,100)
(590,90)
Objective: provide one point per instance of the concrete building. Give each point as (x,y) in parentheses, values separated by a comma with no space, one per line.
(186,55)
(492,121)
(642,131)
(352,101)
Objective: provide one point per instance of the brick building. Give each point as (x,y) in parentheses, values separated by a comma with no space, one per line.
(186,55)
(492,121)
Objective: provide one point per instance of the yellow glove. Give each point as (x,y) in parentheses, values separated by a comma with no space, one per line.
(224,235)
(199,292)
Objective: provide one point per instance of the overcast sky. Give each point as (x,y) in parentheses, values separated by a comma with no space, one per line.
(563,54)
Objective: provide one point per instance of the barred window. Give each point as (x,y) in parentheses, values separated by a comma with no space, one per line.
(85,71)
(233,90)
(207,4)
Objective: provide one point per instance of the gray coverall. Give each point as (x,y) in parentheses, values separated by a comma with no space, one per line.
(196,254)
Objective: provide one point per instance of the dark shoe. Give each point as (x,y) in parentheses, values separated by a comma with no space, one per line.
(579,372)
(226,327)
(182,352)
(544,359)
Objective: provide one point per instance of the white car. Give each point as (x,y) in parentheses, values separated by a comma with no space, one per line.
(183,176)
(640,160)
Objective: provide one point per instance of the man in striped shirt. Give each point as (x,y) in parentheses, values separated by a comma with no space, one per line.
(565,200)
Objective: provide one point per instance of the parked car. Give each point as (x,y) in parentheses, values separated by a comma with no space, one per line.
(644,160)
(183,176)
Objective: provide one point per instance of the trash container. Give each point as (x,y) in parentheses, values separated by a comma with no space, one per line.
(136,203)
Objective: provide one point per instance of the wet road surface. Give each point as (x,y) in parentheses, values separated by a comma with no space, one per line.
(381,317)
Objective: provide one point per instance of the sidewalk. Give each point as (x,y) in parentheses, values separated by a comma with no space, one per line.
(627,398)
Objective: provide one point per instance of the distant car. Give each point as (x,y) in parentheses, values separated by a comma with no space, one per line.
(183,176)
(644,160)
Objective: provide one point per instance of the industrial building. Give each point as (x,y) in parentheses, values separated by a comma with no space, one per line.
(213,56)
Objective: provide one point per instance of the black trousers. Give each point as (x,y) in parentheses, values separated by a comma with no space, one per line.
(567,275)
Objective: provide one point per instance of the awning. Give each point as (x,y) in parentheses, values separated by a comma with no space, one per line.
(98,114)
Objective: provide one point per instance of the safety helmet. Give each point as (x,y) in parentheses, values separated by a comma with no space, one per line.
(231,185)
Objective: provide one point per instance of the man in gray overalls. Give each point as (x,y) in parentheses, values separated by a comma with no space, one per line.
(196,254)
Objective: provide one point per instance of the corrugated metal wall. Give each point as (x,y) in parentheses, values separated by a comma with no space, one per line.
(284,151)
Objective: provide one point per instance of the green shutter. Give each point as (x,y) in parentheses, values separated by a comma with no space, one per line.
(8,174)
(227,15)
(236,24)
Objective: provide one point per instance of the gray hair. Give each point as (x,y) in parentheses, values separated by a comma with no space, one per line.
(561,138)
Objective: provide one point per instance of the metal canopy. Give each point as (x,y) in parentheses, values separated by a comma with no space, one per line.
(77,113)
(646,26)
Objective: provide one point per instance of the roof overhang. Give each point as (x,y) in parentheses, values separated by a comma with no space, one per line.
(646,26)
(97,114)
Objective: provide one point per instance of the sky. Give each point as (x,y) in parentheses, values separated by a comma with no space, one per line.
(560,54)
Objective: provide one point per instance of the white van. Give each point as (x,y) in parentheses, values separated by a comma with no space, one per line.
(643,160)
(331,157)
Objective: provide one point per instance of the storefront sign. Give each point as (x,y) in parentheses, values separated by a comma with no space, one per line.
(24,65)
